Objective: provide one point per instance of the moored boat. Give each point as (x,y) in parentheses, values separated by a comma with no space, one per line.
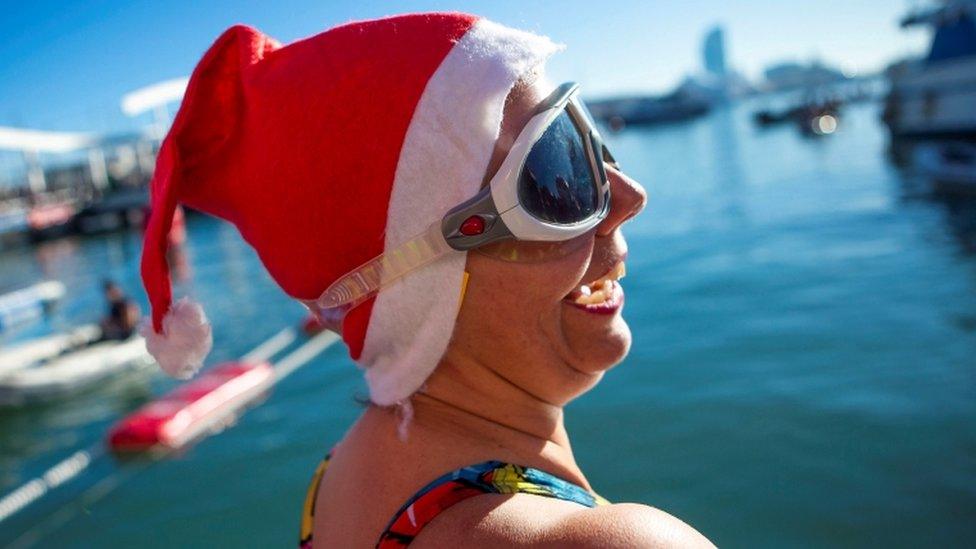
(24,355)
(73,372)
(951,166)
(52,220)
(935,97)
(620,112)
(28,303)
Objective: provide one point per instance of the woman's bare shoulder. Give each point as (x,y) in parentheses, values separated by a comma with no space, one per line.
(625,525)
(525,520)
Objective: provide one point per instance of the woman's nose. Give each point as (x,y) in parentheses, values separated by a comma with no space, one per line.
(627,199)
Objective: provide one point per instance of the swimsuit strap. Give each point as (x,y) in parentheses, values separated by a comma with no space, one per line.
(490,477)
(308,509)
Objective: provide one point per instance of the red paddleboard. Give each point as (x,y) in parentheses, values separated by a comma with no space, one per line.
(311,325)
(192,409)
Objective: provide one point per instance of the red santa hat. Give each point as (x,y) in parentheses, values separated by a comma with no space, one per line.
(328,151)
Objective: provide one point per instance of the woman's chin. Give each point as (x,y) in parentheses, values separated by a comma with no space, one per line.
(597,342)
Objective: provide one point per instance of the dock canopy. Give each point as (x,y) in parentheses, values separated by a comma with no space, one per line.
(151,97)
(17,139)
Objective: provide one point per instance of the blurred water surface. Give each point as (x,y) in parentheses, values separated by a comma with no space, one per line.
(802,372)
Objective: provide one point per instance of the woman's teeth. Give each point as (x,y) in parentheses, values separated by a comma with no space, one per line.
(602,289)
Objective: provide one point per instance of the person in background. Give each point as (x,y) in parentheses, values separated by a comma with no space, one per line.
(122,317)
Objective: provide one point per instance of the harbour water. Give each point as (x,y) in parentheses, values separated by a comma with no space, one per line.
(802,374)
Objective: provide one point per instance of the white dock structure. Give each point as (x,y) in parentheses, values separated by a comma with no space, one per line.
(30,143)
(155,98)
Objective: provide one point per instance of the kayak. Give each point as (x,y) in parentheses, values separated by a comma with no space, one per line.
(311,325)
(23,355)
(205,404)
(73,371)
(28,303)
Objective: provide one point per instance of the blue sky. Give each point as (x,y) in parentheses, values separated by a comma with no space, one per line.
(65,66)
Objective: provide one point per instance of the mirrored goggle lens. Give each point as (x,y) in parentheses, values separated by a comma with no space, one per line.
(556,184)
(605,152)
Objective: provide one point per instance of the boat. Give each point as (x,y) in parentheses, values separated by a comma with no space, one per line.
(123,208)
(311,326)
(73,372)
(194,409)
(30,303)
(51,220)
(621,112)
(951,166)
(934,97)
(13,222)
(24,355)
(803,111)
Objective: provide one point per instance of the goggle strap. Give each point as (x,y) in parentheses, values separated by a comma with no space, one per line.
(369,278)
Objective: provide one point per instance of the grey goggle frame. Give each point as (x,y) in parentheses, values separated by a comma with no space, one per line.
(484,206)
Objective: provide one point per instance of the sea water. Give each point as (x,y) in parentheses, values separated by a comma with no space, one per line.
(803,370)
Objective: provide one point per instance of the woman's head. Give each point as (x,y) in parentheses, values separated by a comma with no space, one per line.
(529,317)
(333,149)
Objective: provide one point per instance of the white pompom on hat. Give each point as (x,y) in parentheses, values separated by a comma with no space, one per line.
(184,342)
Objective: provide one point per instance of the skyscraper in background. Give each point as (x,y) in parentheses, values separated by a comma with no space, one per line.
(718,82)
(713,52)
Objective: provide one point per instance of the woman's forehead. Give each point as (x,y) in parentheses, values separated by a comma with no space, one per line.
(521,102)
(520,105)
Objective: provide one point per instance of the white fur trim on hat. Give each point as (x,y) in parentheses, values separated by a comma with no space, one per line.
(185,342)
(442,163)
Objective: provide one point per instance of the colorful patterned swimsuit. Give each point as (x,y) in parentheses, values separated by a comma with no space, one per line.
(490,477)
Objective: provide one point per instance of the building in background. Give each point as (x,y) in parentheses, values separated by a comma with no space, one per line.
(717,83)
(713,52)
(70,182)
(791,75)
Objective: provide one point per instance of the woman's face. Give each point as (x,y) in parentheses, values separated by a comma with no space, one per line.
(533,313)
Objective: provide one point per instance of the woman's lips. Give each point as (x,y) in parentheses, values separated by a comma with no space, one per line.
(613,302)
(602,296)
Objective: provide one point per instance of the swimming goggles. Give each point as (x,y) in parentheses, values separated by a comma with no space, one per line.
(552,187)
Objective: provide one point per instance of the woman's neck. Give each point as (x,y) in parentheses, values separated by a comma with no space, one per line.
(469,399)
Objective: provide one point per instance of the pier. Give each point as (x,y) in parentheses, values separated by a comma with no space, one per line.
(80,182)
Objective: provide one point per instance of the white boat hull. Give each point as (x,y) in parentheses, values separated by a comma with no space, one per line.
(26,354)
(73,372)
(26,304)
(934,100)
